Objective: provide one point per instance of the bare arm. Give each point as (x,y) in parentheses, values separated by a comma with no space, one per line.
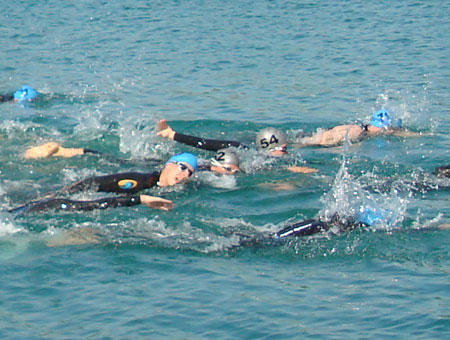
(302,169)
(52,149)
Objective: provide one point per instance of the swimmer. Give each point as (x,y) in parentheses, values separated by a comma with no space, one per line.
(176,170)
(442,171)
(269,140)
(23,94)
(380,124)
(225,161)
(364,218)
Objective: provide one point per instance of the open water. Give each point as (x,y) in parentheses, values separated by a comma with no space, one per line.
(107,71)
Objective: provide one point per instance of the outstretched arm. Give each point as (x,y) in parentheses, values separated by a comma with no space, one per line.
(303,228)
(156,202)
(53,149)
(62,204)
(6,98)
(302,169)
(165,131)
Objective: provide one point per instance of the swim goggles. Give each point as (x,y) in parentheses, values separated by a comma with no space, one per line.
(227,168)
(184,167)
(281,148)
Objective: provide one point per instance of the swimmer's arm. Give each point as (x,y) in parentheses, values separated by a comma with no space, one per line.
(406,133)
(206,144)
(125,201)
(301,169)
(69,152)
(6,98)
(303,228)
(56,150)
(164,130)
(62,204)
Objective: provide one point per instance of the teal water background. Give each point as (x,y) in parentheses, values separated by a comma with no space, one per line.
(108,71)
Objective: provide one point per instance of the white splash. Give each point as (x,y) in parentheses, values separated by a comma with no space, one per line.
(217,180)
(347,198)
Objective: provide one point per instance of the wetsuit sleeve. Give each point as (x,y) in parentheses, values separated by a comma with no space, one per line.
(6,98)
(206,144)
(94,152)
(62,204)
(303,228)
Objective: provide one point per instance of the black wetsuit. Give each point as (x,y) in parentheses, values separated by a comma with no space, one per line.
(121,183)
(71,205)
(207,144)
(124,183)
(299,229)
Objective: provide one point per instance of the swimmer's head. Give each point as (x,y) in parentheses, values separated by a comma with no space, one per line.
(271,140)
(370,216)
(381,119)
(177,169)
(225,161)
(184,157)
(26,92)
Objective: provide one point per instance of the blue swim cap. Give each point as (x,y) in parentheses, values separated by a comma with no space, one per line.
(380,119)
(26,92)
(184,157)
(370,216)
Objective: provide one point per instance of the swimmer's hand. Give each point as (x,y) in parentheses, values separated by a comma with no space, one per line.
(52,149)
(68,152)
(302,169)
(164,130)
(156,202)
(42,151)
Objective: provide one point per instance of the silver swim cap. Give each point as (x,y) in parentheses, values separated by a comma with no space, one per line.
(226,156)
(270,138)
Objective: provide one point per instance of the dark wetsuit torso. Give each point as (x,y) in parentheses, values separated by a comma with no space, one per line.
(122,183)
(207,144)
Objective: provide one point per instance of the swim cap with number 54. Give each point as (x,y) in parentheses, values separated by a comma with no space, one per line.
(270,138)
